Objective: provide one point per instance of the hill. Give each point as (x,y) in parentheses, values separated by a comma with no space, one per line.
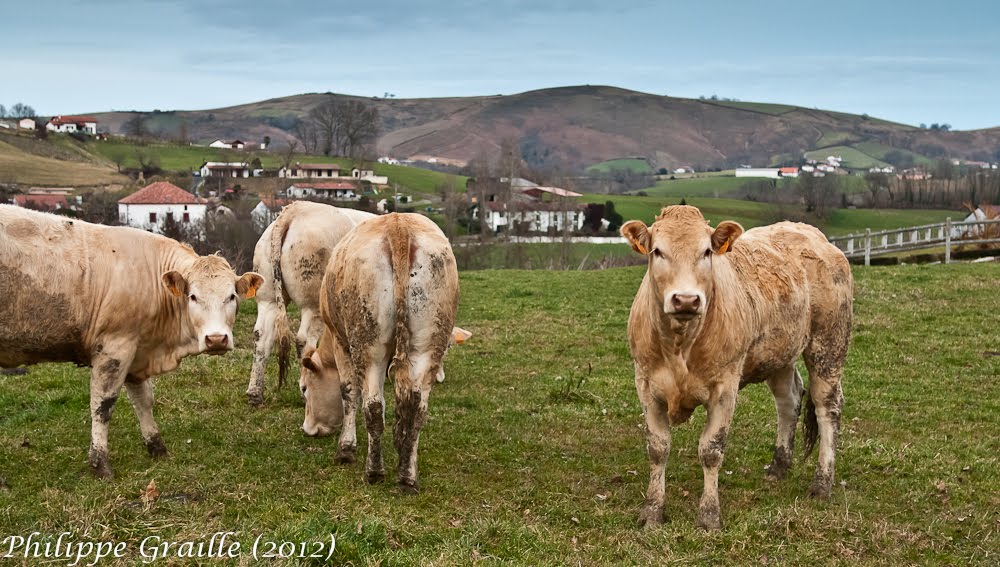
(572,128)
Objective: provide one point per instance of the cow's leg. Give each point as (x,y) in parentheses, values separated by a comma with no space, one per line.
(350,392)
(140,393)
(711,450)
(825,357)
(110,366)
(412,397)
(658,449)
(263,341)
(374,403)
(786,386)
(310,330)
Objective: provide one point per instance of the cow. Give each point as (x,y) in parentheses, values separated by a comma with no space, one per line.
(129,304)
(388,303)
(720,309)
(294,251)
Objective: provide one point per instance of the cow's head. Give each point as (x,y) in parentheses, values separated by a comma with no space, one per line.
(681,247)
(319,381)
(211,292)
(458,336)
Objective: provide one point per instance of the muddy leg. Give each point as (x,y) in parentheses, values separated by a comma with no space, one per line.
(140,393)
(263,341)
(374,402)
(829,400)
(711,450)
(107,376)
(350,391)
(412,396)
(786,387)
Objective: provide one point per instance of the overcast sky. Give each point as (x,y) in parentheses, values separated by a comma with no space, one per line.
(909,61)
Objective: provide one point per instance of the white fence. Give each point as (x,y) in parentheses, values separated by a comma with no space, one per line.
(945,234)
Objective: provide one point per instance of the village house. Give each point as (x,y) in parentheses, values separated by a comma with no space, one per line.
(534,209)
(331,190)
(266,211)
(388,160)
(26,124)
(225,169)
(70,124)
(369,176)
(233,145)
(768,172)
(49,203)
(788,171)
(152,206)
(310,170)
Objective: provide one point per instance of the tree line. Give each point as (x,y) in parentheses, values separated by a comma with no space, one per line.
(18,110)
(340,127)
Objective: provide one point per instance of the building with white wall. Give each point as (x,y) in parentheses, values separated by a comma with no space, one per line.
(225,169)
(769,172)
(70,124)
(152,206)
(332,190)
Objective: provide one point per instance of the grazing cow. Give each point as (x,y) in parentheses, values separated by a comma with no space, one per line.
(388,301)
(294,251)
(128,303)
(717,311)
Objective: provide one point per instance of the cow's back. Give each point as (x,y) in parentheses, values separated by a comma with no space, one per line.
(793,283)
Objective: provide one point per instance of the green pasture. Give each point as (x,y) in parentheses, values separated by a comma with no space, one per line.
(853,158)
(627,164)
(534,452)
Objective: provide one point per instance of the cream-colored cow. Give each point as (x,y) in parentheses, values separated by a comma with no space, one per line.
(716,311)
(128,303)
(388,301)
(293,252)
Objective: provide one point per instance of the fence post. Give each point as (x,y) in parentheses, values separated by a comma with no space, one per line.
(947,240)
(868,247)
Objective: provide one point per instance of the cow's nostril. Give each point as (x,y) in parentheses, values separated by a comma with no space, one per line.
(216,341)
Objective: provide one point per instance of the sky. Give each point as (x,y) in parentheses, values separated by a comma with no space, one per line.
(913,61)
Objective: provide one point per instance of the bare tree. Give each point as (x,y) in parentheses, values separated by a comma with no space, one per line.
(306,132)
(21,110)
(325,121)
(3,111)
(135,127)
(289,154)
(358,126)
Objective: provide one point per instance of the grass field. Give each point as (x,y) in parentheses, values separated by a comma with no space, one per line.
(713,186)
(765,107)
(879,151)
(854,159)
(832,138)
(534,451)
(18,166)
(626,164)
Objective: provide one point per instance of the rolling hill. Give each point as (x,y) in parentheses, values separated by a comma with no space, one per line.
(571,128)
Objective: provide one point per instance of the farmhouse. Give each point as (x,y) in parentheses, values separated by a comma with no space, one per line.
(534,216)
(70,124)
(332,190)
(788,171)
(42,202)
(158,203)
(769,172)
(233,145)
(266,211)
(369,176)
(225,169)
(26,124)
(308,170)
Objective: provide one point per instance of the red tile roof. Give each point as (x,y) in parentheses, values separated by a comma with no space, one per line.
(329,186)
(161,193)
(788,169)
(57,120)
(44,202)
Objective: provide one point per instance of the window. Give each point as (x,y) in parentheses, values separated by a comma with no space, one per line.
(152,217)
(187,217)
(170,216)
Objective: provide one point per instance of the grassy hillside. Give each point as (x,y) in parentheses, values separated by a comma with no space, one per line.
(28,168)
(625,164)
(853,158)
(534,451)
(879,151)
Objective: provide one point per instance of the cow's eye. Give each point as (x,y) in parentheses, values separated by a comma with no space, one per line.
(657,253)
(708,253)
(232,297)
(193,298)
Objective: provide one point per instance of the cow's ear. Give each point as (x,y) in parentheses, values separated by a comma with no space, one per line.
(459,335)
(725,235)
(637,235)
(175,282)
(311,360)
(248,284)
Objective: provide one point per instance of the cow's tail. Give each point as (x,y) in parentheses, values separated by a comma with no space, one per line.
(810,426)
(282,330)
(399,255)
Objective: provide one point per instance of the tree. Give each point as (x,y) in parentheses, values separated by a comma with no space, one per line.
(289,153)
(358,127)
(21,110)
(323,119)
(3,111)
(135,126)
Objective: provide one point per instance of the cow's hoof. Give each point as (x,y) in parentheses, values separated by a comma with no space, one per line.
(708,519)
(156,447)
(819,490)
(409,486)
(374,477)
(100,467)
(345,456)
(255,399)
(650,517)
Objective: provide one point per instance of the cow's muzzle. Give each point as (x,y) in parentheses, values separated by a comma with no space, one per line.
(217,344)
(685,306)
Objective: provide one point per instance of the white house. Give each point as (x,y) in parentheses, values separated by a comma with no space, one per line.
(155,204)
(388,160)
(233,145)
(266,211)
(225,169)
(70,124)
(332,190)
(27,124)
(788,171)
(769,172)
(310,170)
(369,176)
(534,216)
